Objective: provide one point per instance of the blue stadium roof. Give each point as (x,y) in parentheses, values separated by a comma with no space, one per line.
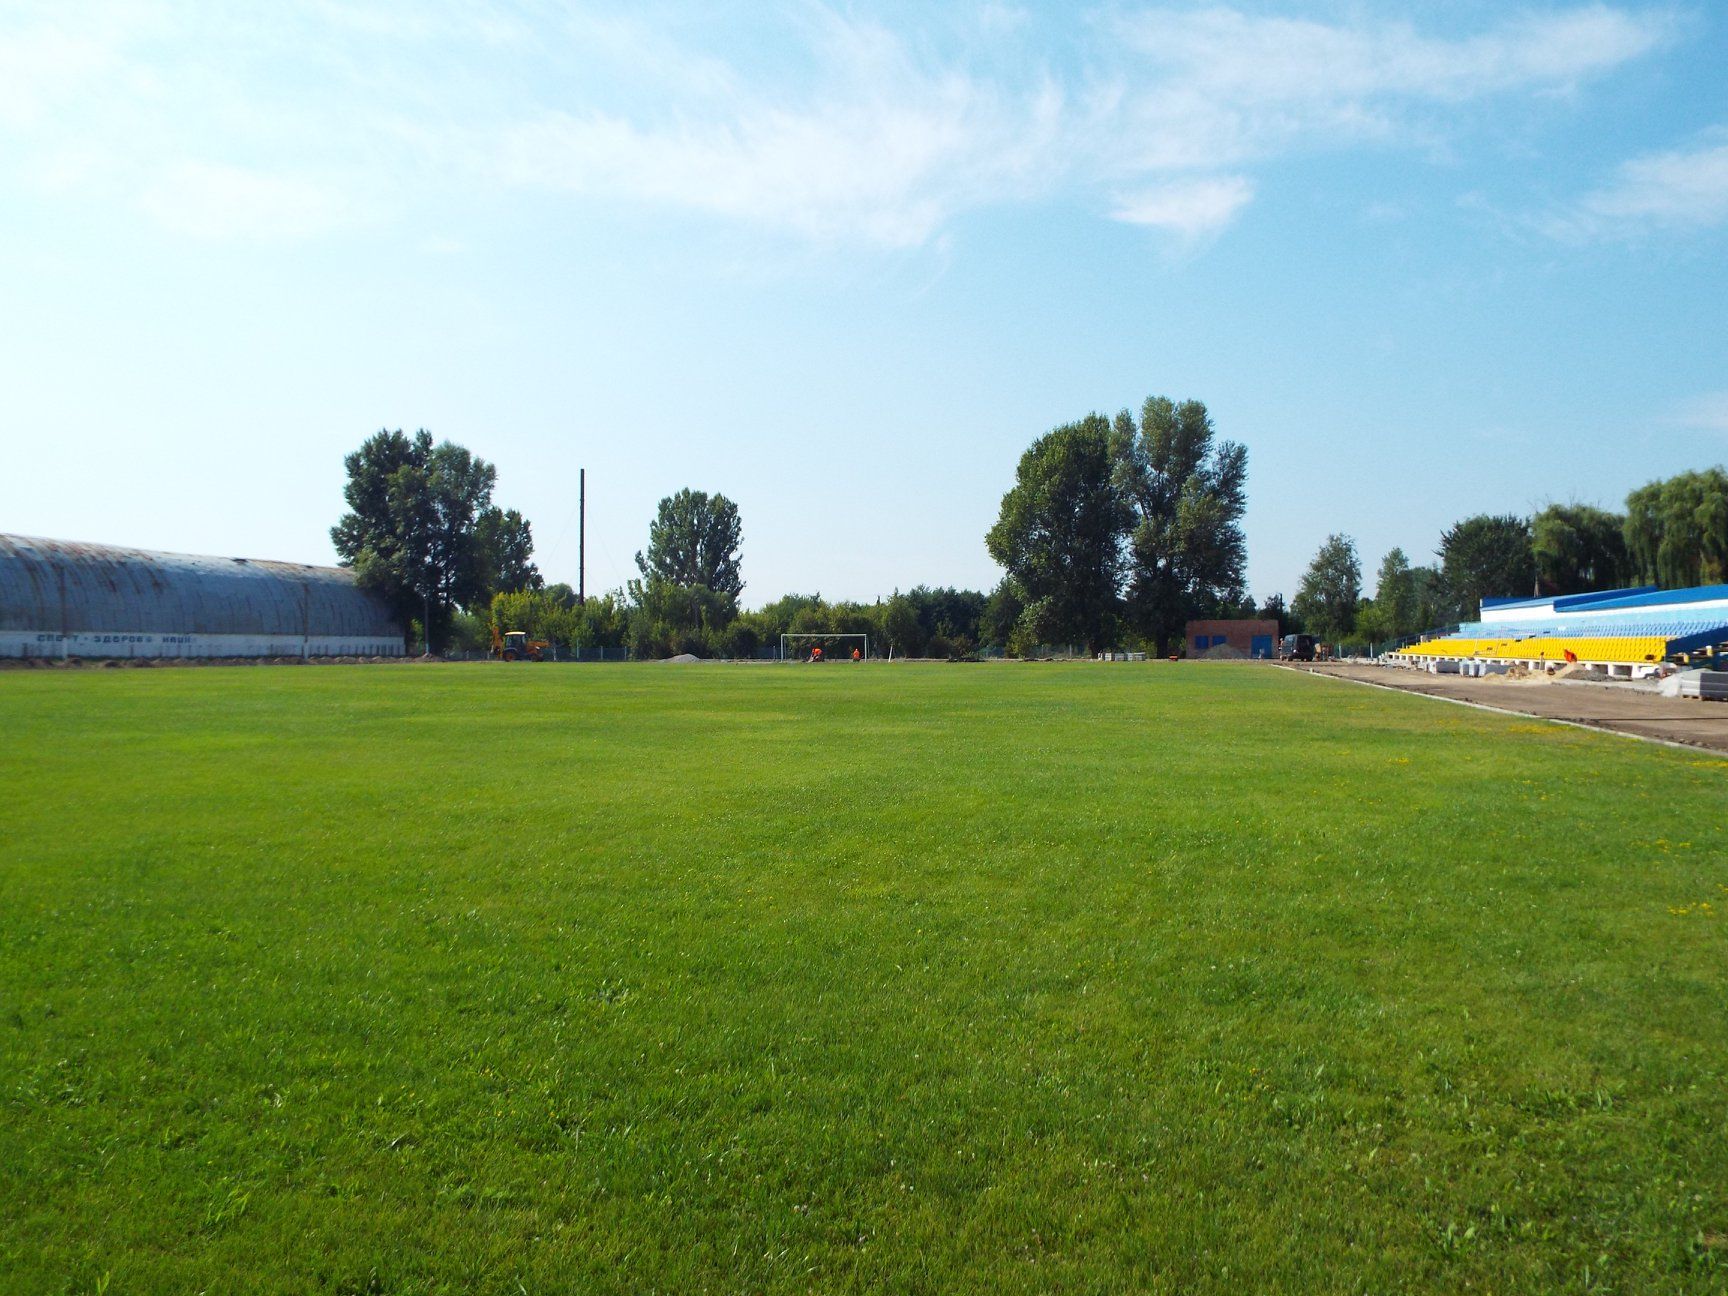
(1569,602)
(1662,598)
(1598,598)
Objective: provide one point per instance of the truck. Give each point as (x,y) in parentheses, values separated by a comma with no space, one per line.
(1296,647)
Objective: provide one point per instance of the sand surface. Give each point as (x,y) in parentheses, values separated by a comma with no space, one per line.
(1629,709)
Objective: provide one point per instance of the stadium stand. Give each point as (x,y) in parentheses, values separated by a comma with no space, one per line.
(1627,631)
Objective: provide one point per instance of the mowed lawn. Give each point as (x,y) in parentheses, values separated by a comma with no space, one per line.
(893,978)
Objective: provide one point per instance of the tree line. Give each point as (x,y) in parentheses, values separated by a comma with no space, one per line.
(423,532)
(1672,534)
(1115,533)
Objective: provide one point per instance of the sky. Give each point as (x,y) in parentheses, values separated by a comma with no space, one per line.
(844,263)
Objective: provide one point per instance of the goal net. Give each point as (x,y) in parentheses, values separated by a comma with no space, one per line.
(823,647)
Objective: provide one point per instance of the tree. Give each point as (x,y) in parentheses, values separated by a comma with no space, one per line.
(1395,602)
(901,630)
(1186,497)
(1487,556)
(1578,549)
(1677,530)
(508,544)
(1395,612)
(948,619)
(602,622)
(1433,604)
(1373,622)
(1001,614)
(690,581)
(538,612)
(1058,535)
(418,524)
(1330,589)
(776,618)
(694,540)
(1274,609)
(738,641)
(666,618)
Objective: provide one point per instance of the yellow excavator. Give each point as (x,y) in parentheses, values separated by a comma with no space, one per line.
(515,645)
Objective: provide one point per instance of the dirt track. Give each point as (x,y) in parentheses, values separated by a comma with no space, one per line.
(1635,712)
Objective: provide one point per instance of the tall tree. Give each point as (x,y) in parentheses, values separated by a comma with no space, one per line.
(414,529)
(900,627)
(1578,549)
(1395,595)
(1058,536)
(1433,603)
(695,540)
(1001,614)
(1393,612)
(690,574)
(1487,556)
(950,615)
(1186,496)
(1677,530)
(676,618)
(507,542)
(1330,590)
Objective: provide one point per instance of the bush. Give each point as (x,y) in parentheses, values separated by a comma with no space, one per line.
(469,633)
(738,640)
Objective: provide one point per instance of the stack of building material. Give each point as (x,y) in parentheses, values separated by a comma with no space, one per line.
(1708,685)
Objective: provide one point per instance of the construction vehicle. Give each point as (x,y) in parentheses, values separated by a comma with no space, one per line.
(515,645)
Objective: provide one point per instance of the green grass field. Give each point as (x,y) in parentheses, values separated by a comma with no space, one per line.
(1011,978)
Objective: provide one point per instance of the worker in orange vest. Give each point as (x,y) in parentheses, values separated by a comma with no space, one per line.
(856,655)
(816,653)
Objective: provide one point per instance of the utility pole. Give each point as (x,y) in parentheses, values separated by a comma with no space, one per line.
(581,536)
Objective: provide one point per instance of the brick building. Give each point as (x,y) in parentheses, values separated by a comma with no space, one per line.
(1250,638)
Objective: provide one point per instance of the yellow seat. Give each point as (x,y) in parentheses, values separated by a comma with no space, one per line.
(1641,649)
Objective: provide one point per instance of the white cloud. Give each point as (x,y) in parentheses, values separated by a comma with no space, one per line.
(226,202)
(892,147)
(887,149)
(55,58)
(888,173)
(994,16)
(809,121)
(1221,87)
(37,66)
(1246,60)
(1685,187)
(1708,412)
(1189,209)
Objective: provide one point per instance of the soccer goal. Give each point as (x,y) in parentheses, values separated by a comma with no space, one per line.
(834,647)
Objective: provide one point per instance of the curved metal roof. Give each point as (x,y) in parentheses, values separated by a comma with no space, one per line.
(69,587)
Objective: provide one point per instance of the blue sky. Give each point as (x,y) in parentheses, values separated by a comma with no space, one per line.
(844,262)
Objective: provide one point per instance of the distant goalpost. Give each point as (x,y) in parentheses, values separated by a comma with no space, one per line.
(791,643)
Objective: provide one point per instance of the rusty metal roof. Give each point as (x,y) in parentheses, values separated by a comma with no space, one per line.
(71,587)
